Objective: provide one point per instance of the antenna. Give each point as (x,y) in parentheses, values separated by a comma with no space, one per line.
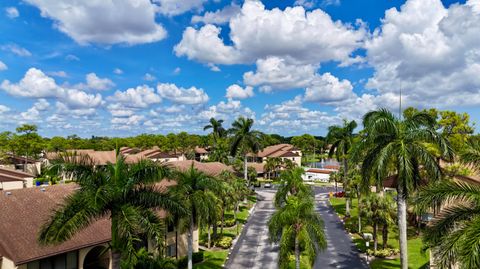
(400,105)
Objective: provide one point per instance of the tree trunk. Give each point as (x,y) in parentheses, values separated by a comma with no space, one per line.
(190,244)
(297,253)
(385,236)
(402,227)
(375,239)
(235,217)
(359,217)
(345,181)
(215,231)
(223,221)
(245,170)
(116,256)
(209,237)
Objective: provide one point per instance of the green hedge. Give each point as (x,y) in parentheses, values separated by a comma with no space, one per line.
(197,257)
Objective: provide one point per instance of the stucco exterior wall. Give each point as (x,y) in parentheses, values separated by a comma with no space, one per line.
(7,264)
(11,185)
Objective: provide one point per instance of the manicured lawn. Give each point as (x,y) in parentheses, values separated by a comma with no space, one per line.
(416,258)
(212,260)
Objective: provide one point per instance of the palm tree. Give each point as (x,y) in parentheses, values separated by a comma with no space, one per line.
(453,233)
(244,139)
(196,190)
(291,184)
(378,211)
(297,224)
(399,147)
(125,193)
(217,129)
(341,140)
(270,166)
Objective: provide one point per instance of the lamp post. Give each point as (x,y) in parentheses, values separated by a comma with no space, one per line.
(367,244)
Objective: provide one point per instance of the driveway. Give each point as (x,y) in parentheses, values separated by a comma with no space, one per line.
(340,252)
(253,250)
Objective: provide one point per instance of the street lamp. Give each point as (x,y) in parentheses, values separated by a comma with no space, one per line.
(367,244)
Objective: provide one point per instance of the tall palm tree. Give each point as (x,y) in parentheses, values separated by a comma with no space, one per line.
(297,224)
(217,129)
(341,140)
(453,234)
(125,193)
(245,140)
(399,147)
(196,190)
(291,184)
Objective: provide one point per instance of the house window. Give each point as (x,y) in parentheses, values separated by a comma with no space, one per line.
(171,250)
(62,261)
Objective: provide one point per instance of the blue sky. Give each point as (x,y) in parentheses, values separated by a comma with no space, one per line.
(97,68)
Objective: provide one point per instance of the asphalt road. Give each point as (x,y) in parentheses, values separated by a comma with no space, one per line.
(340,252)
(254,251)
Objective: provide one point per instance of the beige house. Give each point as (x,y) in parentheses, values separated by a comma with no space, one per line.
(13,179)
(282,151)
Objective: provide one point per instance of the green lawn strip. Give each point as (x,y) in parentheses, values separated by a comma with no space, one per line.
(213,259)
(416,258)
(304,262)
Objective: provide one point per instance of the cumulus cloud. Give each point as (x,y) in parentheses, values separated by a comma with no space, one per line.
(234,91)
(140,97)
(36,84)
(327,88)
(293,34)
(96,83)
(220,16)
(3,66)
(190,96)
(60,74)
(128,22)
(118,71)
(274,72)
(149,77)
(429,51)
(12,12)
(4,109)
(16,49)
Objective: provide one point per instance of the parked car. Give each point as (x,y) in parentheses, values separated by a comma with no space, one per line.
(267,185)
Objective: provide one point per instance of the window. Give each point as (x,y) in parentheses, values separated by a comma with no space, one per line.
(62,261)
(171,250)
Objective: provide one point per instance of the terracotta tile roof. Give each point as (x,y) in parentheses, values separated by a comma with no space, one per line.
(319,171)
(200,150)
(270,150)
(259,167)
(289,154)
(14,173)
(25,210)
(210,168)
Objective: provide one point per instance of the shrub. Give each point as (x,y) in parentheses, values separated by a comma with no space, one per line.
(197,257)
(225,242)
(382,253)
(229,222)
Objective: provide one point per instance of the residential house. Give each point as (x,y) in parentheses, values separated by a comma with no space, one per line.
(316,174)
(282,151)
(13,179)
(201,154)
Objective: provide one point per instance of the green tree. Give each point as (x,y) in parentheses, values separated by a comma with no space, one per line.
(294,225)
(399,147)
(341,140)
(217,129)
(291,183)
(197,191)
(378,210)
(124,193)
(245,140)
(272,164)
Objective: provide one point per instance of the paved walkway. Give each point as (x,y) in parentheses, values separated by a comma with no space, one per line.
(253,250)
(340,252)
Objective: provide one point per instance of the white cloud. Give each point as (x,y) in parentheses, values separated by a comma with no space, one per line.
(177,70)
(3,66)
(175,109)
(4,109)
(16,49)
(175,7)
(220,16)
(127,22)
(190,96)
(96,83)
(118,71)
(35,84)
(234,91)
(139,97)
(149,77)
(131,120)
(327,88)
(60,74)
(293,34)
(430,52)
(12,12)
(275,73)
(71,57)
(42,104)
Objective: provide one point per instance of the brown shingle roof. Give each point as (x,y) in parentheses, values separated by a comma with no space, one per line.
(319,171)
(210,168)
(259,167)
(14,173)
(200,150)
(24,211)
(270,150)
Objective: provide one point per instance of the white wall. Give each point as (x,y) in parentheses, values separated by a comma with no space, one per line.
(11,185)
(309,176)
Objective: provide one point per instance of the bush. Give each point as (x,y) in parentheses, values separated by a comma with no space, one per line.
(225,242)
(197,257)
(229,222)
(382,253)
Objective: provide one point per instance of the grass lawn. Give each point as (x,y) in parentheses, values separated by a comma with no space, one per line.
(212,260)
(416,259)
